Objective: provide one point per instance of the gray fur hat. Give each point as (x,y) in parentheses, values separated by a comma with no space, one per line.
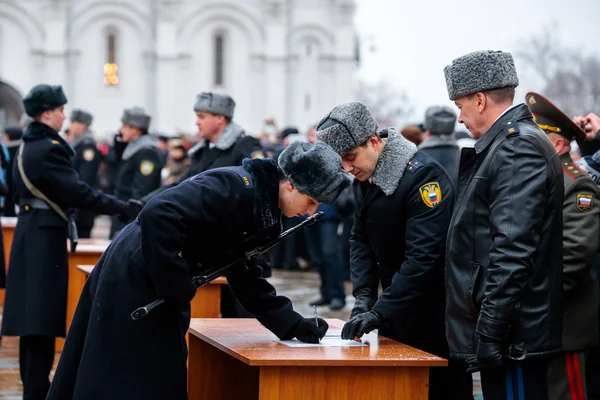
(82,116)
(315,170)
(215,103)
(136,116)
(440,120)
(347,126)
(480,71)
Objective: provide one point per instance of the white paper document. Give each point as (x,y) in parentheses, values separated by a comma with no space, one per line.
(332,339)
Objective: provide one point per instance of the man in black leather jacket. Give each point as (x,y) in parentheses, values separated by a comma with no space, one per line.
(504,248)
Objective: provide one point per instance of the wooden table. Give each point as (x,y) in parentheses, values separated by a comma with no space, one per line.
(88,252)
(239,359)
(8,231)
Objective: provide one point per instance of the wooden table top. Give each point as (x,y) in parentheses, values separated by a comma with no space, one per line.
(9,222)
(89,246)
(87,269)
(250,342)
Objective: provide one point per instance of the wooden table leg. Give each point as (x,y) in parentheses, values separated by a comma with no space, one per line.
(207,302)
(343,383)
(76,282)
(215,375)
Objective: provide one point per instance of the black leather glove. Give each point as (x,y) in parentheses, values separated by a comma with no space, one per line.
(364,302)
(307,331)
(130,210)
(361,324)
(492,336)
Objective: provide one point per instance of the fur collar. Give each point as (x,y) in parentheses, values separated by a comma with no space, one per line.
(394,157)
(439,141)
(85,137)
(266,192)
(142,142)
(229,136)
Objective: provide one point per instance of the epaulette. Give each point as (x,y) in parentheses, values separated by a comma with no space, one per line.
(572,170)
(511,129)
(246,177)
(413,165)
(53,141)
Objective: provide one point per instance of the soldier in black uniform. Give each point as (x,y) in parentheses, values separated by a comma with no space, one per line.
(12,141)
(140,163)
(204,220)
(403,204)
(581,228)
(86,162)
(36,291)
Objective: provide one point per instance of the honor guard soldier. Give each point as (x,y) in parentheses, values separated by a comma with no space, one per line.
(86,162)
(581,229)
(403,204)
(504,249)
(140,164)
(204,219)
(46,185)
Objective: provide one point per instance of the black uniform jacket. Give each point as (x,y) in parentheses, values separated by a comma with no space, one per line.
(504,249)
(36,290)
(398,239)
(202,220)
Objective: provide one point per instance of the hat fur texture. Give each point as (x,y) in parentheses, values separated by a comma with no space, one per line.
(215,103)
(347,126)
(43,98)
(315,170)
(480,71)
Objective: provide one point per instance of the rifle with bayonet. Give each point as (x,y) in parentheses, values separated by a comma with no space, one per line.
(210,274)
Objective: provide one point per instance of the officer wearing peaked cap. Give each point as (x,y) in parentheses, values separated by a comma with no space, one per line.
(581,230)
(203,220)
(46,185)
(504,249)
(140,165)
(86,162)
(403,204)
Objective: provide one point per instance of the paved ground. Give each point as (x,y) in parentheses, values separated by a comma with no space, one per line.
(300,287)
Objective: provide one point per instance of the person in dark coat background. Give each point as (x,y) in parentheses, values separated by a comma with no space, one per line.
(140,163)
(12,141)
(403,204)
(439,141)
(36,287)
(504,250)
(205,219)
(86,162)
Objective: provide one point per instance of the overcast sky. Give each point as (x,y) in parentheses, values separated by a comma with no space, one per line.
(412,40)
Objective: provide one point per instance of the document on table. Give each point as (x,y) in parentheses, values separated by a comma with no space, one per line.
(332,339)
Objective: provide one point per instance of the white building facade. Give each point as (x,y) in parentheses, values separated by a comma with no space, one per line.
(291,60)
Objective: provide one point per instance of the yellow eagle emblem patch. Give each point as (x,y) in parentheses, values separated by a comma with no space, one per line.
(431,194)
(146,167)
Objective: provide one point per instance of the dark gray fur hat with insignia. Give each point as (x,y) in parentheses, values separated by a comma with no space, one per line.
(215,103)
(347,126)
(82,116)
(440,120)
(315,170)
(136,116)
(480,71)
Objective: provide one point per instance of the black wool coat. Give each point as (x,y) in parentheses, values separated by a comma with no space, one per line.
(36,287)
(108,355)
(398,240)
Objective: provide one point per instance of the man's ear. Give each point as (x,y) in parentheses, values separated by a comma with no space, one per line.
(480,101)
(289,186)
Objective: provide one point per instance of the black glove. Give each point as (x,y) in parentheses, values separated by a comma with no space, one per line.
(492,336)
(130,210)
(361,324)
(307,331)
(364,302)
